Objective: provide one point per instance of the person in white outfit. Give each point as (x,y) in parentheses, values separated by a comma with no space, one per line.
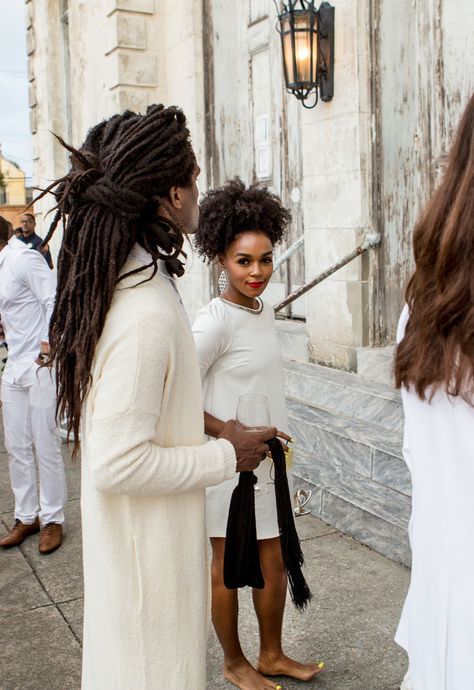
(128,372)
(239,353)
(28,393)
(434,368)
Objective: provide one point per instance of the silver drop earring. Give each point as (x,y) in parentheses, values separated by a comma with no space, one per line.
(223,281)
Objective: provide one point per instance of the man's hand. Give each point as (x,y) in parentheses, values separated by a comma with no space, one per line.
(250,447)
(43,353)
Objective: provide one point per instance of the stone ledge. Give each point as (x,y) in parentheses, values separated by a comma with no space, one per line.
(132,69)
(293,339)
(383,536)
(361,492)
(341,391)
(376,363)
(310,417)
(138,6)
(128,31)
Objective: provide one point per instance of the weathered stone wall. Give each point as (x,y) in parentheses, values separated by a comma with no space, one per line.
(102,58)
(337,194)
(363,162)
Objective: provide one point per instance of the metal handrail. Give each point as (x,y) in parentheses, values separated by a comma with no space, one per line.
(288,253)
(371,240)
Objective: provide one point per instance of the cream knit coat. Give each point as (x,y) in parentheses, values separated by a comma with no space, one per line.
(144,471)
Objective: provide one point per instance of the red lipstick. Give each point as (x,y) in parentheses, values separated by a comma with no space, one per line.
(256,285)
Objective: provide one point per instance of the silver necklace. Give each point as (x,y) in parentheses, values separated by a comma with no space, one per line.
(240,306)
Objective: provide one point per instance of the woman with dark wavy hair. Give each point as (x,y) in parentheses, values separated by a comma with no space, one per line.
(434,368)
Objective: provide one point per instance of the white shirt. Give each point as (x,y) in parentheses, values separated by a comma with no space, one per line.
(27,293)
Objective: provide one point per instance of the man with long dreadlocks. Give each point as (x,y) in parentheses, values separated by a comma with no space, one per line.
(124,356)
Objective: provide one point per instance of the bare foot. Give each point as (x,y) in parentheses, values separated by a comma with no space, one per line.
(245,677)
(284,666)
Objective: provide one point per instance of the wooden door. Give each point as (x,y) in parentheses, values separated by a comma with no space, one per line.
(252,126)
(423,79)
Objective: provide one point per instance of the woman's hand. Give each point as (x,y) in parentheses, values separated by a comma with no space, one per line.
(285,437)
(284,440)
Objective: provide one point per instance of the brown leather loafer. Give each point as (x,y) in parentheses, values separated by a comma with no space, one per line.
(51,538)
(19,532)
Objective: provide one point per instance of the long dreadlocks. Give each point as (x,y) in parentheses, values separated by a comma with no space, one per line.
(108,201)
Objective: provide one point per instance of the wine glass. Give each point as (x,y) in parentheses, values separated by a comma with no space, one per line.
(253,414)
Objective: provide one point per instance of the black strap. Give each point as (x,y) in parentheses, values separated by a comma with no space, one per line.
(292,555)
(241,557)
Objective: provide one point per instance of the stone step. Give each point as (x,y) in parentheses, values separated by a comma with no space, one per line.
(342,441)
(339,508)
(341,391)
(376,363)
(359,480)
(294,339)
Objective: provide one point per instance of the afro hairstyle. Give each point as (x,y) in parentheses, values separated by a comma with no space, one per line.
(234,208)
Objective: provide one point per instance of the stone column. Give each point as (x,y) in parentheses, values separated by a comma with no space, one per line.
(337,194)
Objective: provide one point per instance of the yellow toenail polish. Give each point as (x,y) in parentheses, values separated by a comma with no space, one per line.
(278,687)
(321,664)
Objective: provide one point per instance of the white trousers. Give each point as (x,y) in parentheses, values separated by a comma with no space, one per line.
(29,408)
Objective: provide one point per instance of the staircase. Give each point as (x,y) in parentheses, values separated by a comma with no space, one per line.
(348,445)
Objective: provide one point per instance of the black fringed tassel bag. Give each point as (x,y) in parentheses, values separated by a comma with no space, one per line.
(241,558)
(292,555)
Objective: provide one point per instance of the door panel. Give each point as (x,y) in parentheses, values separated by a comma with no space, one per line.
(253,127)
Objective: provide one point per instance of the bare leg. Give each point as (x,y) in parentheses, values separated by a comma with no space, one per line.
(225,611)
(269,605)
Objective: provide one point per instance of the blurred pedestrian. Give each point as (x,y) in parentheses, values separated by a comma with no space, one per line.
(28,393)
(126,363)
(31,239)
(434,368)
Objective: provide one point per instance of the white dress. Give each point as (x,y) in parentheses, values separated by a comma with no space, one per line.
(239,352)
(437,624)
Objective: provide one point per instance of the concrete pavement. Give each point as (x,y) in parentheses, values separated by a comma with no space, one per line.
(358,596)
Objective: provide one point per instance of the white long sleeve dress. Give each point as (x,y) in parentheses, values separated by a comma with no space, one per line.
(437,624)
(239,353)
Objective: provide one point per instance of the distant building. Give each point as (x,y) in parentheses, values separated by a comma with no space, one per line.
(12,183)
(13,194)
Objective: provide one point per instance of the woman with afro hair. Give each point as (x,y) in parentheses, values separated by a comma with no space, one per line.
(239,353)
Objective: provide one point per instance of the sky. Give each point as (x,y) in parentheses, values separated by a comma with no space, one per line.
(15,138)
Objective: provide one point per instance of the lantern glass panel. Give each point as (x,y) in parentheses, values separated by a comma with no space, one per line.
(304,37)
(288,50)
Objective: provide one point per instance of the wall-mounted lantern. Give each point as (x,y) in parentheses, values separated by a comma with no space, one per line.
(307,39)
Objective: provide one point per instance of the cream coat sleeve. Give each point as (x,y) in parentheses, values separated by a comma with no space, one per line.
(137,377)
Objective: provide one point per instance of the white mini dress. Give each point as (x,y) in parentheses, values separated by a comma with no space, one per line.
(239,352)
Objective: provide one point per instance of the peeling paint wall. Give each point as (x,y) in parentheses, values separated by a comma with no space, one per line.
(366,161)
(89,60)
(254,131)
(424,75)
